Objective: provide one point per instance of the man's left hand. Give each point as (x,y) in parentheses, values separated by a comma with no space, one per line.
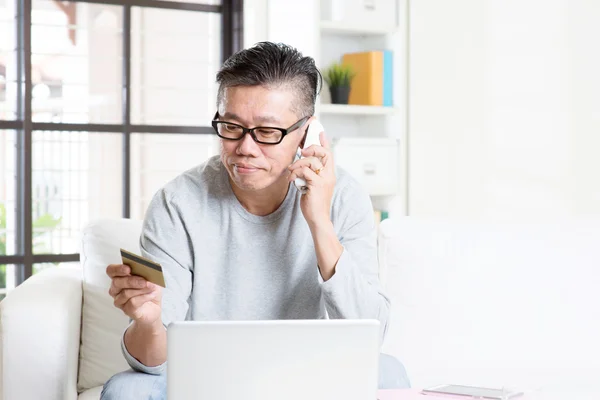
(317,169)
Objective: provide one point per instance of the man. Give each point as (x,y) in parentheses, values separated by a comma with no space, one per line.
(237,240)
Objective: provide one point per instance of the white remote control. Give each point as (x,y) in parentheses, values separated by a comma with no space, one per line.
(312,137)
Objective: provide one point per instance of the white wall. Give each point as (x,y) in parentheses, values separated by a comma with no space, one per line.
(283,21)
(504,111)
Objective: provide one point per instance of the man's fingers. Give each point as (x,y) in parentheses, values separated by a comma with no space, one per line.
(126,294)
(132,306)
(312,162)
(114,270)
(317,151)
(114,290)
(129,282)
(153,286)
(305,173)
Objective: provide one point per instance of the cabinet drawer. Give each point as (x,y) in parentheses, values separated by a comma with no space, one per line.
(381,14)
(373,162)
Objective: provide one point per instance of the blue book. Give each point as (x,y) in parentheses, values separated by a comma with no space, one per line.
(388,84)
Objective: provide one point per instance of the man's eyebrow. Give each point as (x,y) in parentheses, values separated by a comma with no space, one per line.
(261,120)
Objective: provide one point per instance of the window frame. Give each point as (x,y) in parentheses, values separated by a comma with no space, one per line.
(232,38)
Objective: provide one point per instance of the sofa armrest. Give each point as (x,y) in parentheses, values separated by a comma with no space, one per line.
(39,336)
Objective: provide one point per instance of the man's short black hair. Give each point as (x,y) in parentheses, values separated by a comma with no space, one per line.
(273,65)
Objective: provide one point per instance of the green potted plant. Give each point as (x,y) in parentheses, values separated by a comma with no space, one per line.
(339,77)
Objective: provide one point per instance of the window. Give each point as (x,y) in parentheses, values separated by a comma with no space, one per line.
(101,103)
(7,276)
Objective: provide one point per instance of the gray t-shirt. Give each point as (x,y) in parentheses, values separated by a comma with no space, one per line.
(223,263)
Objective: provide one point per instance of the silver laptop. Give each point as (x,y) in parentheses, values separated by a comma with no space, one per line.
(273,360)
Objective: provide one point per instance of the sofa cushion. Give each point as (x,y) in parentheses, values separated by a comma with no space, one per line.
(102,323)
(91,394)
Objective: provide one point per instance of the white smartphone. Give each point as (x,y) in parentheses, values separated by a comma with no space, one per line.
(472,392)
(312,137)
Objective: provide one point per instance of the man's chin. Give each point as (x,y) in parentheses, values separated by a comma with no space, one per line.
(250,183)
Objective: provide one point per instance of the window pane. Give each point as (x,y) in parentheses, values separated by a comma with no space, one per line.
(7,279)
(76,177)
(8,188)
(76,62)
(8,61)
(37,268)
(175,57)
(158,158)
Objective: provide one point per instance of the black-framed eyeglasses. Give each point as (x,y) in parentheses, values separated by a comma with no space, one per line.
(260,134)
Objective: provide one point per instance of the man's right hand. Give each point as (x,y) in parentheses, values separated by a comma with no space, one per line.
(134,295)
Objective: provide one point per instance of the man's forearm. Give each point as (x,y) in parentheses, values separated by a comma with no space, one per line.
(328,248)
(148,344)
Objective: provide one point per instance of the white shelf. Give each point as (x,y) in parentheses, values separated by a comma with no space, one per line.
(346,109)
(353,30)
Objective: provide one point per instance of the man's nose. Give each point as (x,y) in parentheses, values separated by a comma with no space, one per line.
(247,146)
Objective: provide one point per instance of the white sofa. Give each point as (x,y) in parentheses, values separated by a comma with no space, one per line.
(508,304)
(514,304)
(59,331)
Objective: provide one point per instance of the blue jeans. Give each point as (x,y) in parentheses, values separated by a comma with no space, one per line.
(138,385)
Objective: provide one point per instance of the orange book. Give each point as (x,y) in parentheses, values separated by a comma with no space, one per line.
(367,86)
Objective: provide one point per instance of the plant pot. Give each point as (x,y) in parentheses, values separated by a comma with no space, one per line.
(339,94)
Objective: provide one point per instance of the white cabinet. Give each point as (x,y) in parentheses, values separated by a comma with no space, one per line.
(364,13)
(373,162)
(367,140)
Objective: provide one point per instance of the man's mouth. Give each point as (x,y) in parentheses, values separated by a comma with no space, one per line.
(245,168)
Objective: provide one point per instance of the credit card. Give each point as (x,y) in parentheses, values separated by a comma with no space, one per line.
(143,267)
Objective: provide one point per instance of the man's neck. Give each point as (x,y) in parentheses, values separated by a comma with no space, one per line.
(262,202)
